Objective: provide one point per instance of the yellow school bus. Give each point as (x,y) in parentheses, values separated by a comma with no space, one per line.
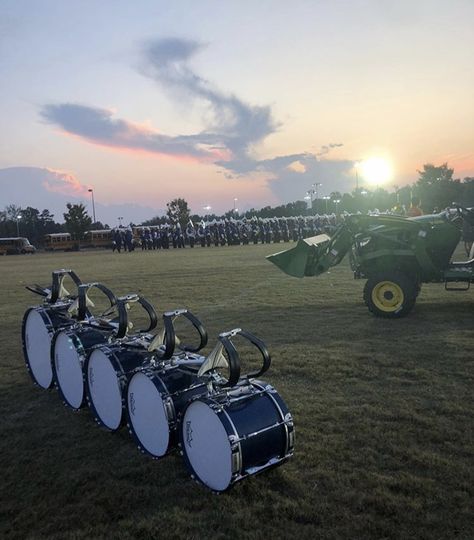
(99,238)
(60,242)
(15,246)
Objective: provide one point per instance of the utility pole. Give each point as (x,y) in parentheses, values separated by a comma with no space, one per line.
(91,191)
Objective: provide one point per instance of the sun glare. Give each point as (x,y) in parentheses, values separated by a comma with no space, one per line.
(376,170)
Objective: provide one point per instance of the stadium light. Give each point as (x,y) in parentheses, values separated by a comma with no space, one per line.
(326,198)
(18,217)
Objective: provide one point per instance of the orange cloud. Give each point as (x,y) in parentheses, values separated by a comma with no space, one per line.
(65,183)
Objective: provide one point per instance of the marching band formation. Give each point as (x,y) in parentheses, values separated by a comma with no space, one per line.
(224,232)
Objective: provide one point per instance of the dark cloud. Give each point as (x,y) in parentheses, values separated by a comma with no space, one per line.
(233,127)
(99,126)
(240,124)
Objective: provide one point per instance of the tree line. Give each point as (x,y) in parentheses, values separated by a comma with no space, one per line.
(33,224)
(435,188)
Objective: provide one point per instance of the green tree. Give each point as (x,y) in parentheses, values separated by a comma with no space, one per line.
(77,220)
(436,188)
(10,216)
(29,224)
(178,210)
(12,211)
(468,191)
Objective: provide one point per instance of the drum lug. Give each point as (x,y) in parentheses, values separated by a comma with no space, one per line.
(236,459)
(234,440)
(236,454)
(290,433)
(291,441)
(169,410)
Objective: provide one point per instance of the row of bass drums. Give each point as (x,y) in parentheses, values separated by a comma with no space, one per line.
(229,425)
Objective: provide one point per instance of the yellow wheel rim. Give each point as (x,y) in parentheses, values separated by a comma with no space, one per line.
(387,296)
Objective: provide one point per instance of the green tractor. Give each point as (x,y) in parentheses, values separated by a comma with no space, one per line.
(395,254)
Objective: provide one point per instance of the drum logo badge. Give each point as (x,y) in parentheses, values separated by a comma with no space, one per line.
(189,434)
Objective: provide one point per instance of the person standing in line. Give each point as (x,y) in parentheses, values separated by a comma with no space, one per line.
(117,240)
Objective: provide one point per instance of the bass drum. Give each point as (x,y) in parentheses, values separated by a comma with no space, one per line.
(108,370)
(68,351)
(236,434)
(38,327)
(155,400)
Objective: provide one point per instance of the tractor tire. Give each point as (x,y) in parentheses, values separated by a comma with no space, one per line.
(390,295)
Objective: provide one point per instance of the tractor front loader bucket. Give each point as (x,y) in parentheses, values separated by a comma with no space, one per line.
(299,261)
(314,256)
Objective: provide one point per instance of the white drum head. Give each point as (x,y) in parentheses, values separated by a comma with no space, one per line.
(38,349)
(147,415)
(207,446)
(104,389)
(68,370)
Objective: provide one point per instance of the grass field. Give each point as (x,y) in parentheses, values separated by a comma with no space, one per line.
(383,411)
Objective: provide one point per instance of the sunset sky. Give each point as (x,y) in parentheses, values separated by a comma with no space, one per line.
(215,100)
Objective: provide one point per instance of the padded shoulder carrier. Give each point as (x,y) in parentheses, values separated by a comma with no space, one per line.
(170,340)
(56,291)
(232,359)
(83,301)
(124,305)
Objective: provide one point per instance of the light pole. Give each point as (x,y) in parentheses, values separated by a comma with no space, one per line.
(207,208)
(326,199)
(356,167)
(336,201)
(316,185)
(18,217)
(235,207)
(91,191)
(311,192)
(120,219)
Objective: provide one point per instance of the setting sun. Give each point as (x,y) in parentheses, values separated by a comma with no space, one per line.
(376,170)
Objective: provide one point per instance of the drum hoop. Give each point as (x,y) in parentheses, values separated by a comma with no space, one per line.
(156,380)
(109,352)
(41,310)
(23,343)
(149,374)
(104,349)
(229,426)
(82,357)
